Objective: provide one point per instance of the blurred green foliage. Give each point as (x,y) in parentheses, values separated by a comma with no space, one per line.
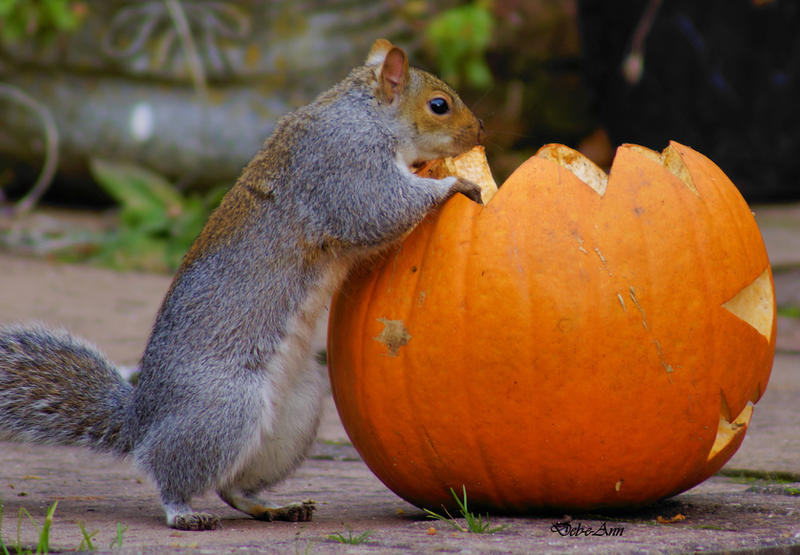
(459,38)
(157,222)
(789,311)
(42,19)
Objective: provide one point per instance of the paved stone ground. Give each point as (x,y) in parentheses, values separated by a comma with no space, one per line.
(753,506)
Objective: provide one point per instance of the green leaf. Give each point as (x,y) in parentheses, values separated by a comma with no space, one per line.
(8,6)
(145,197)
(789,311)
(60,14)
(459,37)
(478,74)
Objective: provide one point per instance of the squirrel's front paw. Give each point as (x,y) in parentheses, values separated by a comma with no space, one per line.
(195,521)
(469,189)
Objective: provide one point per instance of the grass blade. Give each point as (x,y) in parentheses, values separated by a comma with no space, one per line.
(2,544)
(118,540)
(350,538)
(474,523)
(86,543)
(44,535)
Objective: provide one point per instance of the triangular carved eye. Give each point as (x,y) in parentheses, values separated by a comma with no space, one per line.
(755,304)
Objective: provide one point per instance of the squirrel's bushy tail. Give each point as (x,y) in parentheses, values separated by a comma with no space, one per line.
(57,389)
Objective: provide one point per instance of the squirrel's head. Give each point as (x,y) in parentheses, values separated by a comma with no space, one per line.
(437,123)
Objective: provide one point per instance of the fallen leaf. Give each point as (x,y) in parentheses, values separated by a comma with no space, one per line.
(670,520)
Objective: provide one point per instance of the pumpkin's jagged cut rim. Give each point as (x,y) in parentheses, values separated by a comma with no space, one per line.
(473,166)
(597,179)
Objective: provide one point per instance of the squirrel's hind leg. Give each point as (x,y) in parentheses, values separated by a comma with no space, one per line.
(182,517)
(263,510)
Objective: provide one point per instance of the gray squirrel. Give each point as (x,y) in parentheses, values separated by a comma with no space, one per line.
(227,399)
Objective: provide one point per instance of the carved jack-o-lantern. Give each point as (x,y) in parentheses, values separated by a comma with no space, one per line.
(581,341)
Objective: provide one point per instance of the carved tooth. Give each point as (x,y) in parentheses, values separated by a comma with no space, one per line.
(674,163)
(583,168)
(728,431)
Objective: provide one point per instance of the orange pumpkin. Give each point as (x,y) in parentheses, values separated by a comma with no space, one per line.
(574,344)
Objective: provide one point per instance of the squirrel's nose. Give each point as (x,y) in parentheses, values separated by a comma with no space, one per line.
(481,131)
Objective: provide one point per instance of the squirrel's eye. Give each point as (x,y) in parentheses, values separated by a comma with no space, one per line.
(439,105)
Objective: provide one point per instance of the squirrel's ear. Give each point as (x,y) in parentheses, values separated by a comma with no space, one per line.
(393,73)
(378,52)
(391,68)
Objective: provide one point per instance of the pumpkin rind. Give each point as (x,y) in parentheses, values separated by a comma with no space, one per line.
(562,347)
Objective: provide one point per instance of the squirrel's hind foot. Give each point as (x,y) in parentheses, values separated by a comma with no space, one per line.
(181,517)
(294,512)
(262,510)
(195,521)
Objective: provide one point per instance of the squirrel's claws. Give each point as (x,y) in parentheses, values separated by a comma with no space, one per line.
(469,189)
(195,521)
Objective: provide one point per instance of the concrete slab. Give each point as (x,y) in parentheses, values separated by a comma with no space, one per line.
(780,227)
(772,443)
(99,493)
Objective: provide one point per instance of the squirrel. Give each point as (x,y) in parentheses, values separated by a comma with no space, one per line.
(227,398)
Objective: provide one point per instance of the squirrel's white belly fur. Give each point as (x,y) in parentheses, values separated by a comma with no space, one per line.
(292,389)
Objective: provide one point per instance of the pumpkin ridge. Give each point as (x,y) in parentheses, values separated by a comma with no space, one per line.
(359,354)
(731,210)
(476,231)
(637,284)
(465,364)
(425,234)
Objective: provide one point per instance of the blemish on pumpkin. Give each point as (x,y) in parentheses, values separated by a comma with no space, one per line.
(564,325)
(755,304)
(621,301)
(618,485)
(600,255)
(602,261)
(632,294)
(580,166)
(394,335)
(667,367)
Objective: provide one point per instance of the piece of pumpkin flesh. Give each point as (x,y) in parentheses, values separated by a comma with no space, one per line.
(471,165)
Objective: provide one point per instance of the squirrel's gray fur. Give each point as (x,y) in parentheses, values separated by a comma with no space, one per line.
(228,398)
